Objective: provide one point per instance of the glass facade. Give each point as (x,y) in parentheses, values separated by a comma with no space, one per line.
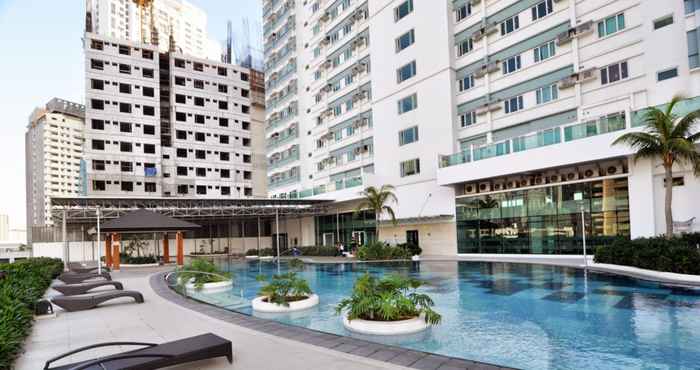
(348,227)
(544,220)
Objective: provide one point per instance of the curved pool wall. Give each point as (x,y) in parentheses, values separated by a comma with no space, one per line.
(517,315)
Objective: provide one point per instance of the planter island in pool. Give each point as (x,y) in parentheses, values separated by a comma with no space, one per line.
(400,327)
(217,287)
(260,305)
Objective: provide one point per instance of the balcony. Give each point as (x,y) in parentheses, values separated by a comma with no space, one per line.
(278,160)
(278,139)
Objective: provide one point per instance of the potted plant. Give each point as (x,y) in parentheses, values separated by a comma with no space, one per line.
(284,293)
(203,276)
(387,306)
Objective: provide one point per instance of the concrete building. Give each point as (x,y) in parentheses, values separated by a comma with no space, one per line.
(493,119)
(122,19)
(168,124)
(54,150)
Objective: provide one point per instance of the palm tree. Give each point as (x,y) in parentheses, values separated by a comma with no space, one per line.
(670,137)
(377,200)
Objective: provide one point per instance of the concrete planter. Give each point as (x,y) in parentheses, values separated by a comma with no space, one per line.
(208,288)
(415,258)
(139,265)
(402,327)
(261,306)
(251,257)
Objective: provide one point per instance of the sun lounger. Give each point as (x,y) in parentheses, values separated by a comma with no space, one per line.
(85,269)
(153,356)
(74,278)
(88,301)
(82,288)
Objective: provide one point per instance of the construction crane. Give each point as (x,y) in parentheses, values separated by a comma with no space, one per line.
(143,5)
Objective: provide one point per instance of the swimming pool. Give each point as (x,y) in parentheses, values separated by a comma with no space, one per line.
(518,315)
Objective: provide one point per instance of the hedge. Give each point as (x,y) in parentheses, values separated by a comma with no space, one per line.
(24,283)
(316,251)
(680,254)
(379,251)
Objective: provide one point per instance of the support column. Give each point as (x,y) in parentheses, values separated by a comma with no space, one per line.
(116,246)
(108,250)
(180,248)
(166,248)
(66,247)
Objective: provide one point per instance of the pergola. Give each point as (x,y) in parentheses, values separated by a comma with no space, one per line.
(142,221)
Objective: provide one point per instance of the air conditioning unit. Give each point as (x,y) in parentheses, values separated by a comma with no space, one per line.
(589,173)
(587,74)
(524,182)
(478,35)
(492,28)
(484,187)
(584,28)
(567,82)
(511,184)
(499,185)
(614,170)
(359,15)
(538,180)
(483,109)
(552,178)
(570,176)
(326,40)
(470,189)
(325,16)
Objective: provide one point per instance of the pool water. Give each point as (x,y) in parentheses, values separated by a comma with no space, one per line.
(517,315)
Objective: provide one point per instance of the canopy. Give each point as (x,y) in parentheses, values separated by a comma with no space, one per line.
(141,220)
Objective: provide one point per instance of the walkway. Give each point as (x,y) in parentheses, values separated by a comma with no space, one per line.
(158,320)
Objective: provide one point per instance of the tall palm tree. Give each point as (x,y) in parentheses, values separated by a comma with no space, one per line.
(377,200)
(670,137)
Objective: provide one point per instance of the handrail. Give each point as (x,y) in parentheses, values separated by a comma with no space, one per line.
(97,345)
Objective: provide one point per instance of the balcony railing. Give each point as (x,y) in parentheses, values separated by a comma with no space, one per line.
(286,160)
(332,186)
(282,139)
(284,181)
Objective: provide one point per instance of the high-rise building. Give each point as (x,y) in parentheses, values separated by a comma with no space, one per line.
(168,124)
(123,19)
(493,119)
(54,150)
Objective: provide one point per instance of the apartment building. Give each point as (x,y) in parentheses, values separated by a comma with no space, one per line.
(168,124)
(493,119)
(187,23)
(54,150)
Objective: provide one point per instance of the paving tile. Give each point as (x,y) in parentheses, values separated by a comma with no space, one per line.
(456,364)
(407,358)
(429,362)
(384,355)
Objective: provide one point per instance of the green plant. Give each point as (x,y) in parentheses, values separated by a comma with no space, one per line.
(23,284)
(411,249)
(379,251)
(137,260)
(391,298)
(678,254)
(284,288)
(296,264)
(200,272)
(377,201)
(671,138)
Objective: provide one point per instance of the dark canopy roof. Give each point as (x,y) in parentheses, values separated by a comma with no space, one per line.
(142,220)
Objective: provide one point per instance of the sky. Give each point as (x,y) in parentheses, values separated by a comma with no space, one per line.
(41,57)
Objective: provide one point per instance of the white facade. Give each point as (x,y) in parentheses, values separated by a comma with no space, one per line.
(472,98)
(54,150)
(4,227)
(168,124)
(122,19)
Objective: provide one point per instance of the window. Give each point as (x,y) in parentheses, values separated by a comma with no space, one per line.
(98,144)
(411,167)
(663,22)
(199,136)
(200,154)
(547,94)
(126,166)
(245,109)
(179,63)
(405,40)
(96,45)
(181,135)
(511,64)
(125,88)
(182,189)
(613,73)
(181,99)
(125,146)
(467,119)
(180,81)
(223,139)
(542,9)
(127,186)
(182,171)
(201,190)
(676,181)
(691,6)
(149,130)
(244,76)
(199,67)
(222,71)
(245,93)
(147,54)
(180,116)
(181,153)
(463,11)
(98,165)
(97,84)
(245,125)
(408,104)
(667,74)
(149,148)
(223,105)
(225,174)
(403,10)
(198,101)
(149,111)
(408,135)
(148,91)
(98,185)
(223,88)
(224,156)
(124,107)
(510,25)
(225,190)
(98,124)
(97,104)
(198,84)
(466,83)
(125,127)
(198,118)
(124,50)
(545,51)
(96,64)
(149,187)
(465,46)
(223,122)
(125,69)
(610,25)
(514,104)
(406,72)
(201,172)
(147,72)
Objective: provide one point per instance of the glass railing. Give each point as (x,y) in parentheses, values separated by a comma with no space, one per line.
(537,140)
(288,29)
(611,123)
(271,144)
(455,159)
(682,108)
(281,162)
(284,181)
(339,184)
(491,150)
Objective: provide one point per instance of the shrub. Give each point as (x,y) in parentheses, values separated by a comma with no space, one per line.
(392,298)
(316,251)
(680,254)
(284,288)
(137,260)
(200,272)
(379,251)
(411,249)
(24,283)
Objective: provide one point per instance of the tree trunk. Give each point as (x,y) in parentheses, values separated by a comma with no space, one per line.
(669,200)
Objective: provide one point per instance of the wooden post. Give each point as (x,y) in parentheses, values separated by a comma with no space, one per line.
(108,250)
(180,247)
(116,244)
(166,248)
